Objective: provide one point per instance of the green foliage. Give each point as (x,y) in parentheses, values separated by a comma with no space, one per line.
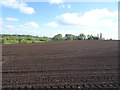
(89,37)
(23,39)
(57,37)
(81,37)
(69,37)
(11,42)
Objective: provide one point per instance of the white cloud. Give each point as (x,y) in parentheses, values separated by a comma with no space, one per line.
(0,24)
(69,6)
(107,34)
(0,21)
(6,26)
(30,25)
(97,17)
(55,1)
(30,28)
(9,26)
(62,6)
(27,10)
(11,19)
(91,22)
(23,7)
(52,24)
(68,18)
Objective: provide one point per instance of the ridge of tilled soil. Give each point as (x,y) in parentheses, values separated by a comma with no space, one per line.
(70,64)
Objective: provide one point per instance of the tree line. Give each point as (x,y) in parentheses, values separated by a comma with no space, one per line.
(22,39)
(79,37)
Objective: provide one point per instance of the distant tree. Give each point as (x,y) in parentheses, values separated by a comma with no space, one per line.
(2,40)
(100,35)
(33,41)
(19,40)
(90,37)
(75,37)
(15,38)
(23,41)
(69,37)
(96,38)
(81,37)
(28,37)
(57,37)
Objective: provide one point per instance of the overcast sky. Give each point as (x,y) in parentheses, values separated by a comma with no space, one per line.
(56,16)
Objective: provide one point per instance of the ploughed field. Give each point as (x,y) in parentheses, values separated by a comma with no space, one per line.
(61,64)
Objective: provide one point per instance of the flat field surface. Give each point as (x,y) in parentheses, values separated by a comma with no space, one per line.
(78,63)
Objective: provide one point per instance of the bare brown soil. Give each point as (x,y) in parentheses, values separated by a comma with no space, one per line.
(61,64)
